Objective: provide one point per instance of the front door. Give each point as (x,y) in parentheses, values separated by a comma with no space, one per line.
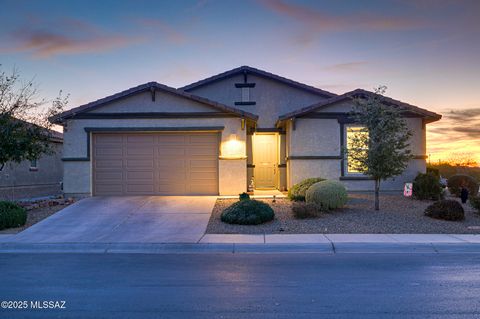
(265,156)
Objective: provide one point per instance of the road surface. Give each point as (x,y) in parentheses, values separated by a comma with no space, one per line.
(241,285)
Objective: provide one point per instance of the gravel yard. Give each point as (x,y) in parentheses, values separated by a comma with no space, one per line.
(34,216)
(397,215)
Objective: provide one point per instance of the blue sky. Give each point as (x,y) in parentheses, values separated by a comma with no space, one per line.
(426,51)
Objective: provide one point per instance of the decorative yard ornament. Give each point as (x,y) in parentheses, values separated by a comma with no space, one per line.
(251,186)
(408,190)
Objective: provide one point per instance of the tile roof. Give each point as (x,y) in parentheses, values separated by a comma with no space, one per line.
(259,72)
(147,87)
(359,93)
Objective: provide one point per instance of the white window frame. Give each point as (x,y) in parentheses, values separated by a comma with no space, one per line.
(245,94)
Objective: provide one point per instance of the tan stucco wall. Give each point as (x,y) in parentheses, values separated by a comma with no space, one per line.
(164,102)
(17,181)
(232,176)
(321,137)
(77,175)
(273,98)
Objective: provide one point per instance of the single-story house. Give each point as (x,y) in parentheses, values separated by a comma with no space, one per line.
(217,136)
(38,178)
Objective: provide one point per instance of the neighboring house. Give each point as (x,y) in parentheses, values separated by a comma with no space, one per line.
(213,136)
(38,178)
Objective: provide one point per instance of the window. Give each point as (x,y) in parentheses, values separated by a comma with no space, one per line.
(245,94)
(357,144)
(33,165)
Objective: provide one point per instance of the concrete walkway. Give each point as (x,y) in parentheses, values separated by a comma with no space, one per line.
(339,238)
(274,243)
(134,219)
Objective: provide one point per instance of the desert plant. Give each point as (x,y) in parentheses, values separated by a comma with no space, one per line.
(243,196)
(427,186)
(248,212)
(455,183)
(11,215)
(305,210)
(327,195)
(448,209)
(297,191)
(434,171)
(475,202)
(380,150)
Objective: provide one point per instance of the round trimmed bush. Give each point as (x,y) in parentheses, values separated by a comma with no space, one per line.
(455,183)
(327,195)
(475,202)
(11,215)
(427,186)
(297,192)
(248,212)
(448,209)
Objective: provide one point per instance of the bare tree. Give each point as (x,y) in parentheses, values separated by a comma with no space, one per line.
(25,129)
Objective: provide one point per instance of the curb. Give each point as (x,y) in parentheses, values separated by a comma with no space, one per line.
(233,248)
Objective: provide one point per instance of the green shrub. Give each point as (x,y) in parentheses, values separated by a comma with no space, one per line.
(243,196)
(297,192)
(11,215)
(248,212)
(434,171)
(305,210)
(475,202)
(327,195)
(446,209)
(427,186)
(455,183)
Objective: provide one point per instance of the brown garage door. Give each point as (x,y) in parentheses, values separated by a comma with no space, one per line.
(155,164)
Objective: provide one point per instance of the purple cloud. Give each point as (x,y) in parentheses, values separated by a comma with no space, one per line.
(65,37)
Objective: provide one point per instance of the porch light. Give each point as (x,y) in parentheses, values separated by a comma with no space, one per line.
(233,148)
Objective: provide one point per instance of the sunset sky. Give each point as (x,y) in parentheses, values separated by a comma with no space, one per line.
(427,52)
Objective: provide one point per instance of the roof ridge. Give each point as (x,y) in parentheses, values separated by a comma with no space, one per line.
(260,72)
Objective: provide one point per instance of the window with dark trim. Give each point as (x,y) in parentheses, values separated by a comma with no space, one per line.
(351,131)
(33,165)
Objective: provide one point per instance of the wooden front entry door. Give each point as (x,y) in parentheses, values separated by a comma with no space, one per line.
(265,157)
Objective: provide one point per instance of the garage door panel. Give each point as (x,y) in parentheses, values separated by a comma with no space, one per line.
(203,139)
(155,164)
(105,139)
(108,189)
(171,151)
(140,151)
(212,176)
(110,151)
(115,176)
(136,175)
(140,138)
(176,139)
(139,188)
(109,164)
(132,163)
(169,189)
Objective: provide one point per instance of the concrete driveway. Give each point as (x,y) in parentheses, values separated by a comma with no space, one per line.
(135,219)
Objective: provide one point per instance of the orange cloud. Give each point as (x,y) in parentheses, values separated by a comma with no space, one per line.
(70,37)
(457,132)
(348,66)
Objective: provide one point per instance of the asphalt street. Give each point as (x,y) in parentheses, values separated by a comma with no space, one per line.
(240,285)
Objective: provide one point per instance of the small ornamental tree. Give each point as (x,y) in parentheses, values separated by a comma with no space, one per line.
(25,129)
(380,150)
